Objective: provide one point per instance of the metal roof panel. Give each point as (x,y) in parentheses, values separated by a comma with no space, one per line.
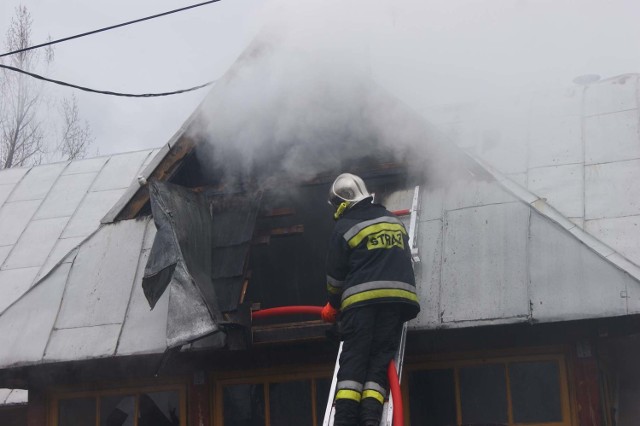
(428,273)
(12,175)
(611,137)
(35,243)
(63,247)
(26,326)
(612,95)
(484,263)
(555,140)
(14,218)
(623,233)
(612,189)
(562,187)
(145,330)
(5,190)
(87,165)
(15,282)
(65,196)
(36,184)
(87,217)
(568,279)
(120,171)
(73,344)
(103,272)
(4,252)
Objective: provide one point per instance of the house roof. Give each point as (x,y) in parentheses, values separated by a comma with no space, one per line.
(47,210)
(492,252)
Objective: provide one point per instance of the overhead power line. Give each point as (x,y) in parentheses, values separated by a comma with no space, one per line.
(108,28)
(106,92)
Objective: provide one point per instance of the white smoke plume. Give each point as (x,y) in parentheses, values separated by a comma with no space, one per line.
(302,100)
(312,90)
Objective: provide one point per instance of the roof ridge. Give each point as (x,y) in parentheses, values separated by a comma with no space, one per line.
(541,205)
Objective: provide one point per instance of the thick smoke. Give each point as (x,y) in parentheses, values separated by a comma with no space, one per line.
(302,101)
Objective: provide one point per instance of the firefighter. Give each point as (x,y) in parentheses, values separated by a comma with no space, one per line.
(371,289)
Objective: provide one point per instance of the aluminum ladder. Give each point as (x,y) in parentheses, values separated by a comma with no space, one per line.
(387,412)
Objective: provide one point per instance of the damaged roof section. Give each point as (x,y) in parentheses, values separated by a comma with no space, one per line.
(200,255)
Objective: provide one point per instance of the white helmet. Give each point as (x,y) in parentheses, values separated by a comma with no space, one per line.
(349,189)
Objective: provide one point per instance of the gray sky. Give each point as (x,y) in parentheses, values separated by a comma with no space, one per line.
(427,52)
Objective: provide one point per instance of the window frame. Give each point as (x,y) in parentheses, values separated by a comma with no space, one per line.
(58,395)
(566,395)
(265,377)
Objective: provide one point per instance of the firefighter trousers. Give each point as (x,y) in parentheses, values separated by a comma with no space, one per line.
(371,337)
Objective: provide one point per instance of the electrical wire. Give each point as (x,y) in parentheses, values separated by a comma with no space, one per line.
(106,92)
(108,28)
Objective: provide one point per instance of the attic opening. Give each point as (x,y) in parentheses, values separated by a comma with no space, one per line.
(251,238)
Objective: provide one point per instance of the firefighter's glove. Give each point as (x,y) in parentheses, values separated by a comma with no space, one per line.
(329,313)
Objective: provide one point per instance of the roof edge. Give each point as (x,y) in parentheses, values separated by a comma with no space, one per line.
(545,209)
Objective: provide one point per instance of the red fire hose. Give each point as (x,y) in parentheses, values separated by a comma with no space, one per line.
(394,383)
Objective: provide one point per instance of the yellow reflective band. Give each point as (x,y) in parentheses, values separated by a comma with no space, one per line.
(378,294)
(374,229)
(370,393)
(348,394)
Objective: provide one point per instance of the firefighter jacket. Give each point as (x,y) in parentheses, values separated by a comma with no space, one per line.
(369,261)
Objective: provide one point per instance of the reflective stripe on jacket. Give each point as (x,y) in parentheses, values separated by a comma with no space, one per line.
(369,260)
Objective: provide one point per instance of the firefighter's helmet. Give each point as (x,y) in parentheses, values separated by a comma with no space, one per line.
(349,189)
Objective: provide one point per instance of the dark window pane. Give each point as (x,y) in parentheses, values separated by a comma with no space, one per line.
(483,394)
(290,403)
(535,392)
(77,412)
(117,410)
(243,405)
(432,398)
(159,409)
(323,386)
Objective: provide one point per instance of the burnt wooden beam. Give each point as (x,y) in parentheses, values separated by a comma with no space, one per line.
(163,171)
(264,236)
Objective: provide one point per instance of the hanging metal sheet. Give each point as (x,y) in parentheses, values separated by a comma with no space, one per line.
(199,253)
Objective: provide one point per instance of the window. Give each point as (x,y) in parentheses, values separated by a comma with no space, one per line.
(519,391)
(290,400)
(147,407)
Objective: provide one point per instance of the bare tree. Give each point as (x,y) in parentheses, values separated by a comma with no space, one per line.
(23,123)
(76,134)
